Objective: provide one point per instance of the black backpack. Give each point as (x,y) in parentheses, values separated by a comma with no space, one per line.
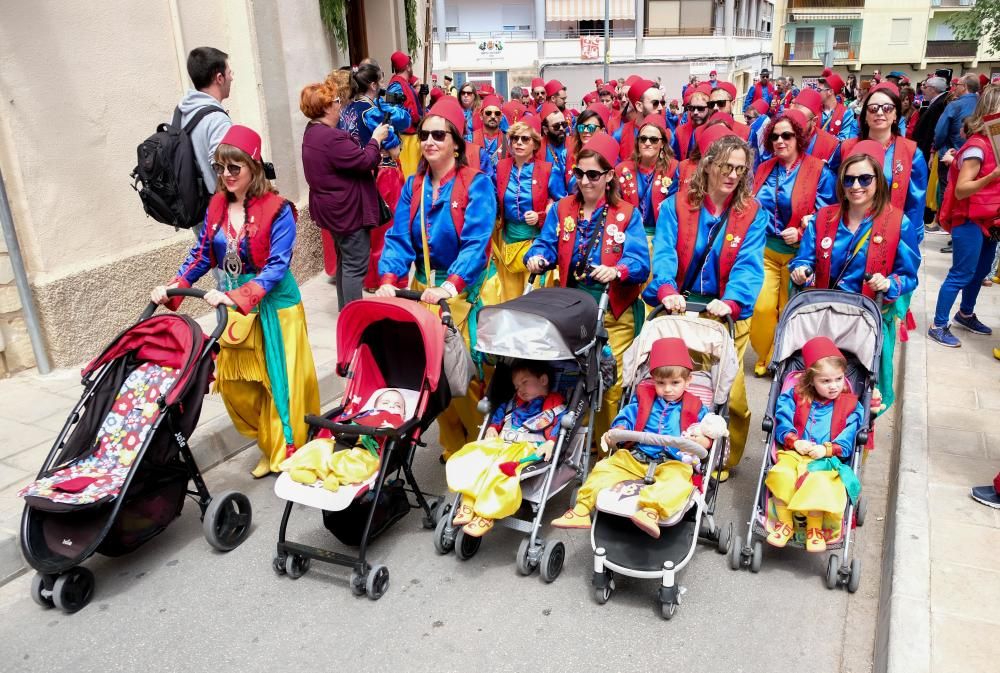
(167,176)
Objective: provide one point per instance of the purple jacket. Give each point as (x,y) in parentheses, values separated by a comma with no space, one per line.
(342,194)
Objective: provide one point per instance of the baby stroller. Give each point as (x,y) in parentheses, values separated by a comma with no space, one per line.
(119,470)
(565,328)
(854,323)
(618,545)
(382,343)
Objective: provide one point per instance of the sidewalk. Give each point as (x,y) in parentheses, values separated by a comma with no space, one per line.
(33,409)
(963,450)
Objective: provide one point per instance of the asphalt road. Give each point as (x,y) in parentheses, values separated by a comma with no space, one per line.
(177,605)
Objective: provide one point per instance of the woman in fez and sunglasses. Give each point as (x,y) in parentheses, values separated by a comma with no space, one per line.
(594,238)
(863,244)
(789,186)
(453,207)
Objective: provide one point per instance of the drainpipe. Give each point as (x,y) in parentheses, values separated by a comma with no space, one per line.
(21,280)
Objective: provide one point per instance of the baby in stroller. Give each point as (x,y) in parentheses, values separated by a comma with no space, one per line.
(662,405)
(816,423)
(520,432)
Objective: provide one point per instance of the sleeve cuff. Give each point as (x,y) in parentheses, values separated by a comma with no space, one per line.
(666,290)
(247,296)
(622,272)
(457,281)
(836,450)
(734,307)
(389,279)
(174,303)
(790,439)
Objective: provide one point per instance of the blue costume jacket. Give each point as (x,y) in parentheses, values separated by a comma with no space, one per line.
(817,428)
(779,217)
(664,419)
(517,198)
(848,125)
(527,416)
(361,117)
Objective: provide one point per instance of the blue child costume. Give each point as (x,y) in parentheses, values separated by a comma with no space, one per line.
(815,487)
(445,234)
(650,413)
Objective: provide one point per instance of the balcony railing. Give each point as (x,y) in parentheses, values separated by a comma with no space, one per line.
(685,31)
(952,4)
(951,49)
(456,36)
(748,32)
(583,32)
(830,4)
(811,51)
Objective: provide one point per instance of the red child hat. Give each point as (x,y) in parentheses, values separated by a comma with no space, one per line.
(449,108)
(537,82)
(552,87)
(710,135)
(244,138)
(436,93)
(632,79)
(826,72)
(761,106)
(818,348)
(487,90)
(513,110)
(872,148)
(399,61)
(640,87)
(729,88)
(604,145)
(723,117)
(810,99)
(713,72)
(669,352)
(590,98)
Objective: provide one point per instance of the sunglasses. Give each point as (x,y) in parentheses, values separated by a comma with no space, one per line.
(494,113)
(785,135)
(865,180)
(884,108)
(468,93)
(559,127)
(592,176)
(649,140)
(657,104)
(438,136)
(717,104)
(696,108)
(234,169)
(587,128)
(520,139)
(728,169)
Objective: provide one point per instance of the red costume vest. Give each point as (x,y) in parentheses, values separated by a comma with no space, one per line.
(261,213)
(539,185)
(836,120)
(803,191)
(826,145)
(627,145)
(843,407)
(902,167)
(687,237)
(459,196)
(620,295)
(411,104)
(645,394)
(684,133)
(478,137)
(983,207)
(628,182)
(882,244)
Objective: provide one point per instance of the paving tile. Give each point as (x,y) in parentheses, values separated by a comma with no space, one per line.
(11,476)
(965,544)
(16,437)
(28,404)
(960,470)
(956,396)
(970,593)
(960,418)
(958,442)
(963,645)
(954,503)
(30,460)
(993,447)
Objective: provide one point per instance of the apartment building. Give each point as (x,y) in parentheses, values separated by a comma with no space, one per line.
(912,36)
(508,43)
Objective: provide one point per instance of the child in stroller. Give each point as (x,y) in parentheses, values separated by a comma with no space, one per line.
(520,432)
(817,421)
(663,406)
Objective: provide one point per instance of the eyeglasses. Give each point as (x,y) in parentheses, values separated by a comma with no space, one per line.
(592,176)
(657,104)
(558,126)
(717,104)
(865,180)
(729,169)
(438,136)
(494,113)
(587,128)
(786,136)
(520,139)
(884,108)
(234,169)
(696,108)
(649,140)
(468,93)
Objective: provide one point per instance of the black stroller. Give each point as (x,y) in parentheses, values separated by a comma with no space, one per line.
(119,470)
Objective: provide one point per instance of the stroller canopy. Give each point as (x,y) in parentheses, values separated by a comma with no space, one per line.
(547,324)
(702,335)
(358,316)
(852,321)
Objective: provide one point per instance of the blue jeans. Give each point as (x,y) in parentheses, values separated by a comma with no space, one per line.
(971,259)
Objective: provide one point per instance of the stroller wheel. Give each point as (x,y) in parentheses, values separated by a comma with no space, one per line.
(227,520)
(466,545)
(357,583)
(377,582)
(553,555)
(854,581)
(73,590)
(725,539)
(668,610)
(524,564)
(757,559)
(860,511)
(436,509)
(736,553)
(833,571)
(602,594)
(296,566)
(278,564)
(39,593)
(444,540)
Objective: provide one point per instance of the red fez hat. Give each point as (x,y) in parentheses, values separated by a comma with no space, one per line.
(729,88)
(590,98)
(491,100)
(795,116)
(603,111)
(887,86)
(537,82)
(449,108)
(632,79)
(604,145)
(598,82)
(655,119)
(436,93)
(552,87)
(636,91)
(826,72)
(835,82)
(983,80)
(673,101)
(710,134)
(818,348)
(513,111)
(399,61)
(669,352)
(723,117)
(547,109)
(904,80)
(534,122)
(810,99)
(761,106)
(704,88)
(713,73)
(872,148)
(244,138)
(487,90)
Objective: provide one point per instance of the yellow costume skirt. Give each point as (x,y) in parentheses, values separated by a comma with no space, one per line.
(512,275)
(321,460)
(770,303)
(668,494)
(241,379)
(739,409)
(409,154)
(474,471)
(803,491)
(621,334)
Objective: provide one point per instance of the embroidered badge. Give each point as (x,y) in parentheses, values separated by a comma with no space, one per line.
(622,179)
(569,224)
(826,243)
(876,239)
(729,237)
(620,237)
(895,185)
(899,166)
(454,204)
(620,217)
(612,229)
(735,242)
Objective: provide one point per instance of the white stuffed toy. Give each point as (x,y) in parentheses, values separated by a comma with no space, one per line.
(712,426)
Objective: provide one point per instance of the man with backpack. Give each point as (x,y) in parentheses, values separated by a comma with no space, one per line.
(212,78)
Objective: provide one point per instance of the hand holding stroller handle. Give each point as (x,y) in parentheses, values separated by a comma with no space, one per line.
(694,307)
(221,313)
(682,444)
(532,277)
(413,295)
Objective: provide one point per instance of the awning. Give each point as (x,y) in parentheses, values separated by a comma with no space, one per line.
(813,15)
(587,10)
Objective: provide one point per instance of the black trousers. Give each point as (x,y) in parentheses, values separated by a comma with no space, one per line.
(353,253)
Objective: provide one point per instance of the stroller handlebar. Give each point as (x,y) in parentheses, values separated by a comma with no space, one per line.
(221,312)
(682,444)
(413,295)
(695,307)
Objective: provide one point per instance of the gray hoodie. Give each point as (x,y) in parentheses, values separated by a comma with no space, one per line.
(207,134)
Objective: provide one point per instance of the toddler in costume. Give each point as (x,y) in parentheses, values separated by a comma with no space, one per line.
(817,421)
(662,405)
(521,431)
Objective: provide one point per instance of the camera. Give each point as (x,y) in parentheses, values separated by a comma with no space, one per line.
(392,98)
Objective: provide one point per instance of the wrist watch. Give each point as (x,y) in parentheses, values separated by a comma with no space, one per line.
(450,288)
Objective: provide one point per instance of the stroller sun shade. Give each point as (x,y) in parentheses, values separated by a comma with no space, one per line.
(851,320)
(547,324)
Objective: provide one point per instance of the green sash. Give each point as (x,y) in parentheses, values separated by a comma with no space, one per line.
(847,476)
(515,232)
(777,244)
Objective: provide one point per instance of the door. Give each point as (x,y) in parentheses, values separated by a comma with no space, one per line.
(357,37)
(805,39)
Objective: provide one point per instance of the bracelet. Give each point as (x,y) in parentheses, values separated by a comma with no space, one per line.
(829,448)
(450,288)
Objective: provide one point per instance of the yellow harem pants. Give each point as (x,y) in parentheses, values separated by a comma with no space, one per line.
(667,494)
(621,334)
(512,275)
(474,471)
(322,460)
(459,423)
(770,303)
(802,491)
(739,409)
(246,390)
(409,153)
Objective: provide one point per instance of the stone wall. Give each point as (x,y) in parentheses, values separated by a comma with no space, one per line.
(15,346)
